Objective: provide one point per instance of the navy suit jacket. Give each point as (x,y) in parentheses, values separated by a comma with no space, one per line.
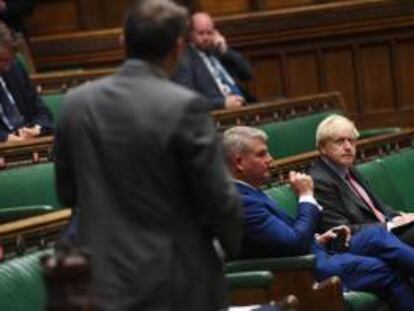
(271,232)
(28,101)
(193,73)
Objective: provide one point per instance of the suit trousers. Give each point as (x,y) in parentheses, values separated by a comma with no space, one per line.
(377,261)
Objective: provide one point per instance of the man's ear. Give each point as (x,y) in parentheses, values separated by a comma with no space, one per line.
(238,162)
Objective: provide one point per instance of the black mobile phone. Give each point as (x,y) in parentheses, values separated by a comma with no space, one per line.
(338,244)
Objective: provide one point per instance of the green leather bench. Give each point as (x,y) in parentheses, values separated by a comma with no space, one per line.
(297,135)
(21,284)
(54,103)
(27,191)
(293,136)
(392,178)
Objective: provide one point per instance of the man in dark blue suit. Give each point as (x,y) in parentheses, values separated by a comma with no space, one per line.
(374,261)
(211,68)
(23,114)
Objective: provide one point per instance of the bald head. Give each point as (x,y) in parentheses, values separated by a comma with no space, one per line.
(202,31)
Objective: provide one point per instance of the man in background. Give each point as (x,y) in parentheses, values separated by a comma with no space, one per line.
(346,197)
(140,159)
(211,68)
(23,115)
(12,12)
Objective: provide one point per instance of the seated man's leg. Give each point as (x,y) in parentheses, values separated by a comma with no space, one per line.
(406,234)
(367,274)
(378,242)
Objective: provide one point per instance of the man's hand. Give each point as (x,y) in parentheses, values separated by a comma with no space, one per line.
(14,138)
(402,220)
(301,183)
(332,234)
(220,42)
(29,132)
(233,102)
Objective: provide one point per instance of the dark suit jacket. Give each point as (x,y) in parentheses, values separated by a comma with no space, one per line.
(139,157)
(193,73)
(16,10)
(271,232)
(28,101)
(341,206)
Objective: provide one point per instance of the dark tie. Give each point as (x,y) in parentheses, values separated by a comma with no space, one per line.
(11,116)
(363,195)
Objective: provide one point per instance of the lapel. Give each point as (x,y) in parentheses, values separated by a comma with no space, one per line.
(204,77)
(345,188)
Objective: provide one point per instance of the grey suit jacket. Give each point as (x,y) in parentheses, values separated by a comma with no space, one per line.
(341,206)
(139,158)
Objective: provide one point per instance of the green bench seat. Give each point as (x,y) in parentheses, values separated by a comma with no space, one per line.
(21,284)
(54,103)
(392,178)
(27,191)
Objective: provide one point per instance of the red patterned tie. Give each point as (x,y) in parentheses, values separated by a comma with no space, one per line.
(363,195)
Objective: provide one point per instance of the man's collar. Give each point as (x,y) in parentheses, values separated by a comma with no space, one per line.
(340,171)
(241,182)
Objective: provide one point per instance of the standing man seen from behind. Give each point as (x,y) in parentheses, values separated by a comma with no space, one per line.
(370,260)
(23,115)
(211,68)
(346,197)
(140,159)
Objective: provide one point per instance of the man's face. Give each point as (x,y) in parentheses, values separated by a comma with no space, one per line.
(341,148)
(6,57)
(202,33)
(253,165)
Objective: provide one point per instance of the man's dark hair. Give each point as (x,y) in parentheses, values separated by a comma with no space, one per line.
(7,37)
(152,27)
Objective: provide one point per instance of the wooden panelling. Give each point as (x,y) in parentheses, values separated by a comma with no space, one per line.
(339,74)
(376,73)
(55,16)
(302,74)
(405,72)
(268,75)
(363,49)
(220,7)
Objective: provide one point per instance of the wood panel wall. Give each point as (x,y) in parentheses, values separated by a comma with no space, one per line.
(59,16)
(362,49)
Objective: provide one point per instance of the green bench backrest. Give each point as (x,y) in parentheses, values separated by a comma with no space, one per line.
(54,102)
(28,185)
(378,178)
(400,169)
(392,178)
(21,284)
(293,136)
(285,198)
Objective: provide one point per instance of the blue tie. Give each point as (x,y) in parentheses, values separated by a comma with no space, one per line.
(234,89)
(11,116)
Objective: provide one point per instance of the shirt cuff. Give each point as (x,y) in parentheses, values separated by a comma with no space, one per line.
(390,225)
(309,199)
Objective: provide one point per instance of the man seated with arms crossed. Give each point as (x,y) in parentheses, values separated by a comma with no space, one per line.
(374,261)
(22,112)
(345,196)
(211,68)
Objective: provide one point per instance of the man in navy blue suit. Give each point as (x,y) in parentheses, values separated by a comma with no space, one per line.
(211,68)
(374,261)
(23,114)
